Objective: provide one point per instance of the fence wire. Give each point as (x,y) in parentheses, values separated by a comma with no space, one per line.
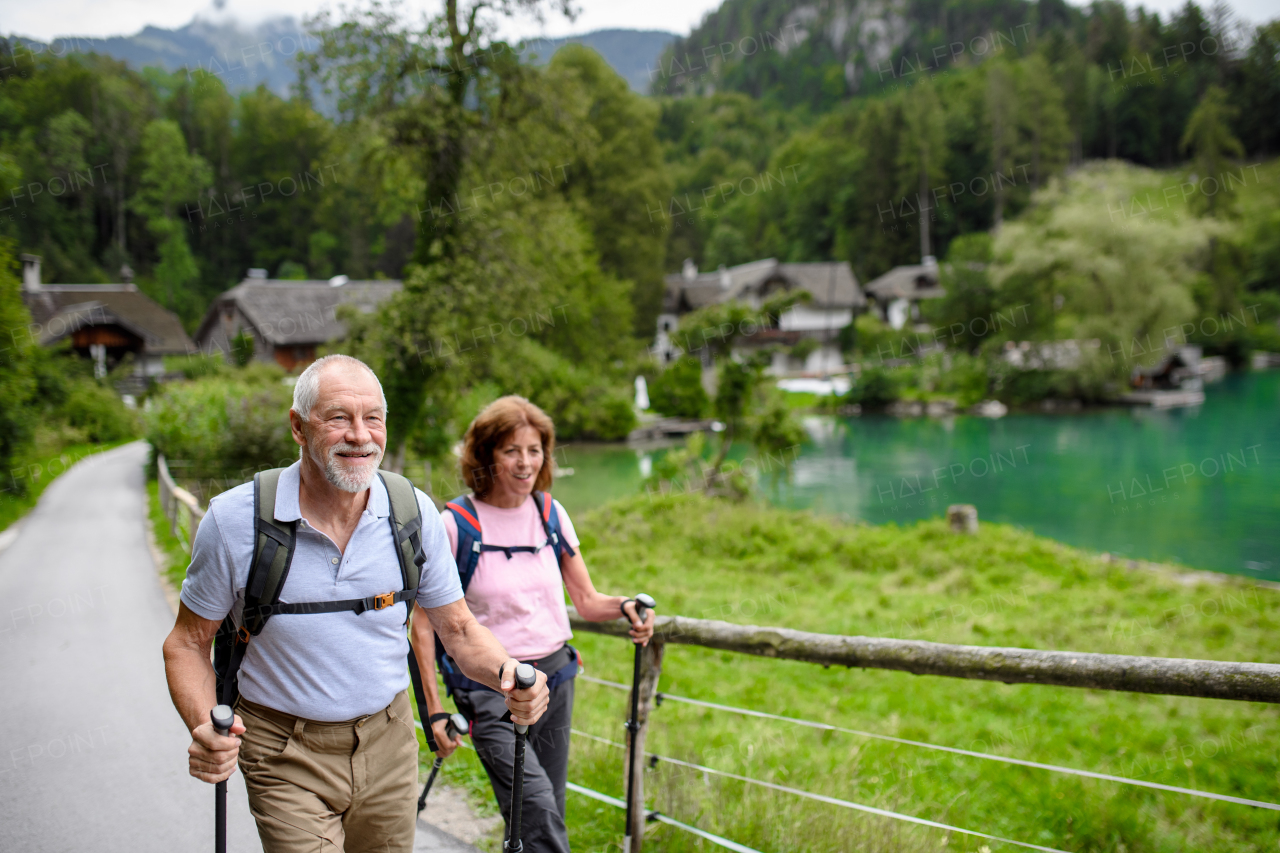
(823,798)
(662,697)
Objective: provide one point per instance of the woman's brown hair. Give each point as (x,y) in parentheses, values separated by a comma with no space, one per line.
(499,420)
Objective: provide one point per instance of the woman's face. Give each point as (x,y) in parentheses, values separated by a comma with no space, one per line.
(517,461)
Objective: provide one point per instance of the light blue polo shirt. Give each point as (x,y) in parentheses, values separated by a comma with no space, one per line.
(320,666)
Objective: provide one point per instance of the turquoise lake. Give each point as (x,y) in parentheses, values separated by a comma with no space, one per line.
(1195,486)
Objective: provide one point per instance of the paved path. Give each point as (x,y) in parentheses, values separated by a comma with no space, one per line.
(92,754)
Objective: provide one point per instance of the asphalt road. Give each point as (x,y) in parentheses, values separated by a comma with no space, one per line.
(92,754)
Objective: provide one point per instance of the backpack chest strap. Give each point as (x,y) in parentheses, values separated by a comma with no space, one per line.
(511,549)
(358,605)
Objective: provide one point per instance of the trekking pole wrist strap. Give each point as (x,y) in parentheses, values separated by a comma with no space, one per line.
(623,607)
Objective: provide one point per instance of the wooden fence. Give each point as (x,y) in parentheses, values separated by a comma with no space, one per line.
(180,506)
(1249,682)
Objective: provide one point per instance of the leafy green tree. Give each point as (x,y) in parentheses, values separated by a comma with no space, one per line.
(741,400)
(122,110)
(1209,135)
(677,391)
(1002,110)
(1042,116)
(171,175)
(923,157)
(620,174)
(1083,277)
(17,382)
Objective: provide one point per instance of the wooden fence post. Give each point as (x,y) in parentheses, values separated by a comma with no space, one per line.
(650,669)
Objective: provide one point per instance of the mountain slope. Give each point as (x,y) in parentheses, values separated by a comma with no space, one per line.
(633,54)
(816,53)
(244,57)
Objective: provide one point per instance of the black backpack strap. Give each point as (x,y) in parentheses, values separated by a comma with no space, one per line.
(406,531)
(406,526)
(273,545)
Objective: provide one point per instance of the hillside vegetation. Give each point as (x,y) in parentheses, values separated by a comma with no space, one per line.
(1001,587)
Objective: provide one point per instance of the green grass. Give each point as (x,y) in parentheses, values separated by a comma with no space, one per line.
(22,486)
(1003,586)
(176,559)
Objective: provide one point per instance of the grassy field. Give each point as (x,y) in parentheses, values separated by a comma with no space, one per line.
(1003,587)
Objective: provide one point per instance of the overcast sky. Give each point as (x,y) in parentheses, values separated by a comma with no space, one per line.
(45,19)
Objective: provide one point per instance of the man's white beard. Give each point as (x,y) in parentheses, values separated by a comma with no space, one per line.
(340,475)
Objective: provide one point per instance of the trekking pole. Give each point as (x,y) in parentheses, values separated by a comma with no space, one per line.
(456,725)
(525,678)
(222,719)
(643,603)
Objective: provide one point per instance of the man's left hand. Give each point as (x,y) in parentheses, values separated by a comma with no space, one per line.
(526,706)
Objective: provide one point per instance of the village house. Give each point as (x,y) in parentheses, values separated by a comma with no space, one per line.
(104,322)
(285,319)
(805,335)
(897,294)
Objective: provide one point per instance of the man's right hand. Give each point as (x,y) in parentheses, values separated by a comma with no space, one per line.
(445,745)
(213,756)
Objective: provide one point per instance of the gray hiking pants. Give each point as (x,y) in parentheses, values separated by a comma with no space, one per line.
(546,762)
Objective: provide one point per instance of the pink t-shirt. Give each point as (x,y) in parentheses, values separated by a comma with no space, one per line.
(521,600)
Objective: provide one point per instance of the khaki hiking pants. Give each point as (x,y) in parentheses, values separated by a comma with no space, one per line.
(331,787)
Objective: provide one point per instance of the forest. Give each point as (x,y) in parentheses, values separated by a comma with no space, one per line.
(436,154)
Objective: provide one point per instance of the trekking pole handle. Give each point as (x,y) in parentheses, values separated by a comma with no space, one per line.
(526,677)
(457,725)
(223,719)
(644,602)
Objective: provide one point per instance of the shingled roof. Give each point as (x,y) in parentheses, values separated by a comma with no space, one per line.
(61,309)
(914,281)
(296,313)
(831,285)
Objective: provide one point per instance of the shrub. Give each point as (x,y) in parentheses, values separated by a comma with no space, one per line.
(98,413)
(677,392)
(876,388)
(584,404)
(224,426)
(242,347)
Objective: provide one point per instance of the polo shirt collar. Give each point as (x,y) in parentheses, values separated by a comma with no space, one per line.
(288,507)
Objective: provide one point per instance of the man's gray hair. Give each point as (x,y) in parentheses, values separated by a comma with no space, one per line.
(306,391)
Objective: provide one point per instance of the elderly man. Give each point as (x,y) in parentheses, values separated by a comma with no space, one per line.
(324,732)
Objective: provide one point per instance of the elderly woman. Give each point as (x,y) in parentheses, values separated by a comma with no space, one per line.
(517,553)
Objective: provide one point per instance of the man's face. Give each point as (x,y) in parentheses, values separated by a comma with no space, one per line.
(346,433)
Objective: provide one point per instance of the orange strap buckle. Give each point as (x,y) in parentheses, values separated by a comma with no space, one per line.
(382,602)
(243,634)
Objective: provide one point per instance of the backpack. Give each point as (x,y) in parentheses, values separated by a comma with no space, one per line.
(273,547)
(471,545)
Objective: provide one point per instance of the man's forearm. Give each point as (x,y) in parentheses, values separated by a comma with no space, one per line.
(424,650)
(472,646)
(479,654)
(192,683)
